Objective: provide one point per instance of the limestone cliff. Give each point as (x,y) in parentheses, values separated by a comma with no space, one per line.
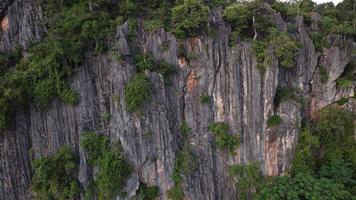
(241,96)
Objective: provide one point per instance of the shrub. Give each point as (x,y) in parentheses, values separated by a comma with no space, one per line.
(147,192)
(165,46)
(285,47)
(274,120)
(335,126)
(105,117)
(54,176)
(144,62)
(239,16)
(247,178)
(205,99)
(166,69)
(113,168)
(303,186)
(176,192)
(344,83)
(285,94)
(261,54)
(324,76)
(224,139)
(342,101)
(183,165)
(137,92)
(190,18)
(72,30)
(184,129)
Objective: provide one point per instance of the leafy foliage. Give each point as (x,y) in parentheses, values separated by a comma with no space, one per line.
(55,176)
(73,30)
(247,179)
(145,192)
(144,62)
(324,163)
(113,168)
(224,139)
(205,99)
(176,192)
(285,47)
(239,16)
(189,18)
(274,120)
(303,186)
(183,166)
(137,92)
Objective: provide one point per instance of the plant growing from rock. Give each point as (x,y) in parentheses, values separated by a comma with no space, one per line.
(224,139)
(113,168)
(190,17)
(274,120)
(137,91)
(55,176)
(247,179)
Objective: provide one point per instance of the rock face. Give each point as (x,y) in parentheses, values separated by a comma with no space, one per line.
(241,96)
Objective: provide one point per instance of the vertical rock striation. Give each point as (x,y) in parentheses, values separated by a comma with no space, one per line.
(241,96)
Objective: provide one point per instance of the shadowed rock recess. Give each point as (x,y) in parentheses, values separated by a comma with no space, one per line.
(236,92)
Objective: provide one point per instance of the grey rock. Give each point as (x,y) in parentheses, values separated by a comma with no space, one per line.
(240,94)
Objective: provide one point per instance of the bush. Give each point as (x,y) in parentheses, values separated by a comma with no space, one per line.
(147,192)
(261,54)
(303,186)
(73,29)
(274,120)
(137,91)
(189,18)
(285,47)
(324,76)
(239,16)
(284,94)
(224,139)
(54,176)
(184,129)
(144,62)
(344,83)
(247,178)
(176,192)
(205,99)
(113,168)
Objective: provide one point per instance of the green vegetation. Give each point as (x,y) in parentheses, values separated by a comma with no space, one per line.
(137,91)
(285,47)
(55,176)
(189,18)
(247,179)
(144,62)
(224,139)
(183,166)
(105,117)
(261,54)
(73,30)
(145,192)
(324,77)
(239,16)
(285,94)
(344,83)
(246,21)
(205,99)
(274,120)
(347,78)
(113,168)
(324,164)
(343,101)
(176,192)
